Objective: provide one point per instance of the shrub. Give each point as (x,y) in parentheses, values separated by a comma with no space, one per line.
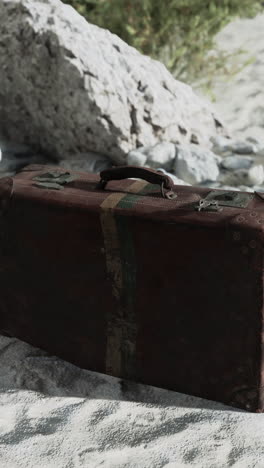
(177,32)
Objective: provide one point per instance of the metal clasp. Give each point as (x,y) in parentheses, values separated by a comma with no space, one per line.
(170,195)
(206,205)
(217,198)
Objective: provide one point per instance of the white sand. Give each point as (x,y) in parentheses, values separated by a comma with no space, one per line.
(53,414)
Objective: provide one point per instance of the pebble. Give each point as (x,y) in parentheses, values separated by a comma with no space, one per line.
(163,154)
(222,145)
(195,164)
(258,188)
(251,177)
(136,158)
(229,187)
(209,184)
(175,179)
(10,148)
(87,162)
(237,162)
(256,175)
(243,147)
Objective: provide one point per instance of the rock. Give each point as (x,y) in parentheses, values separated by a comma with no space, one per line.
(175,179)
(221,145)
(136,158)
(68,86)
(162,154)
(229,187)
(243,147)
(194,164)
(256,175)
(235,178)
(15,149)
(244,188)
(13,164)
(210,184)
(240,98)
(15,156)
(7,174)
(251,177)
(260,151)
(253,135)
(237,162)
(87,162)
(258,188)
(241,188)
(144,149)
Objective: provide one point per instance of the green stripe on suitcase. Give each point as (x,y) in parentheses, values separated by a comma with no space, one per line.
(121,267)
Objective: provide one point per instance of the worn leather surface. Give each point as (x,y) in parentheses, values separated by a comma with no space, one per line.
(122,281)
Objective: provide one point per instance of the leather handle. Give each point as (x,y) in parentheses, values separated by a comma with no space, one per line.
(138,172)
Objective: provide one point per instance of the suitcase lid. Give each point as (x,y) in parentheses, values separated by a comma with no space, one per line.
(81,191)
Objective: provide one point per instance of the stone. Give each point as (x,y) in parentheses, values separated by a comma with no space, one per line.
(143,149)
(163,154)
(13,164)
(136,158)
(234,178)
(7,174)
(241,188)
(258,188)
(15,156)
(243,147)
(222,145)
(194,164)
(253,135)
(87,162)
(260,151)
(256,175)
(68,87)
(209,183)
(15,149)
(251,177)
(229,187)
(233,163)
(175,179)
(244,188)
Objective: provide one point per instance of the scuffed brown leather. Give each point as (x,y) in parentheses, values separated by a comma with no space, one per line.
(196,283)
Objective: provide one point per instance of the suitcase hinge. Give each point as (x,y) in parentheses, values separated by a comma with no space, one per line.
(55,179)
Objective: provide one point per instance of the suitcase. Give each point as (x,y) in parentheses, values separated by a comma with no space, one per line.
(129,275)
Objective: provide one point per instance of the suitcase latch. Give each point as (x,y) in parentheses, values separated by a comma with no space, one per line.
(215,199)
(206,205)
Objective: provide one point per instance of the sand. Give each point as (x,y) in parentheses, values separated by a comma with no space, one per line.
(53,414)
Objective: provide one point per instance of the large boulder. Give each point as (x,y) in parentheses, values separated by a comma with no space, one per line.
(69,87)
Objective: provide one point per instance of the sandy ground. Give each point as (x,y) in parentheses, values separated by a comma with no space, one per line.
(53,414)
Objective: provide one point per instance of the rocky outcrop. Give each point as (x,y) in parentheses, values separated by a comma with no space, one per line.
(69,87)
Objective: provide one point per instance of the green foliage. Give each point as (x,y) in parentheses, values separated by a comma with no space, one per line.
(176,32)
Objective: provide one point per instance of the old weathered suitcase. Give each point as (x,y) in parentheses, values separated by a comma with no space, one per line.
(124,278)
